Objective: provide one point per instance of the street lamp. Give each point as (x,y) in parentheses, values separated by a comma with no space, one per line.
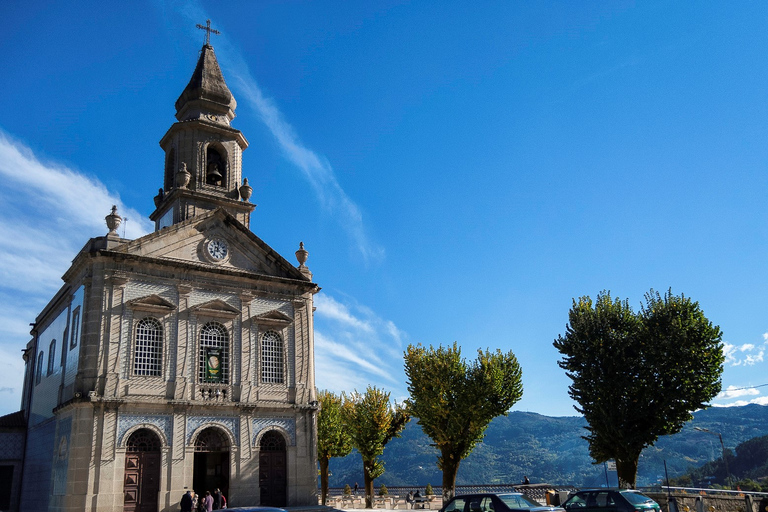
(727,471)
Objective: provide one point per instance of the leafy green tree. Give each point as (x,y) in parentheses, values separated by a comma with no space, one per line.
(638,376)
(332,438)
(455,400)
(372,421)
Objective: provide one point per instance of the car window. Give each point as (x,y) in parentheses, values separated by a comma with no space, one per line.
(517,501)
(576,501)
(475,504)
(636,498)
(487,504)
(457,505)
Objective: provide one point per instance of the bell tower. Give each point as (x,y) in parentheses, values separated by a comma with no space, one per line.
(203,153)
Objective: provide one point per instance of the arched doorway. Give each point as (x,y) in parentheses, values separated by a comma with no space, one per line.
(211,469)
(141,483)
(273,482)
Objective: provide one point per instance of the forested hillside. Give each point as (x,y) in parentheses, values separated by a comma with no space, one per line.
(550,449)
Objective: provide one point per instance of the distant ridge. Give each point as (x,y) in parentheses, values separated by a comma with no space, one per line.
(550,449)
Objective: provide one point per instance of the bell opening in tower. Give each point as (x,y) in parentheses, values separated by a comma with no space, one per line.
(215,167)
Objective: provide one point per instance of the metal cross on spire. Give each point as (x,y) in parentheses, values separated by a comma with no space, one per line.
(208,31)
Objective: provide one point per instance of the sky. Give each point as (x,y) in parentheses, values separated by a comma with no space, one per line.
(457,171)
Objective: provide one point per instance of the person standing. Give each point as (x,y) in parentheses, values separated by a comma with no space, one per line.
(186,502)
(208,502)
(218,499)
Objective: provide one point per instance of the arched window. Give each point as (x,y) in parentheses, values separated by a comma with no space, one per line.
(272,441)
(271,358)
(51,358)
(211,440)
(148,356)
(214,354)
(170,167)
(39,373)
(215,167)
(143,440)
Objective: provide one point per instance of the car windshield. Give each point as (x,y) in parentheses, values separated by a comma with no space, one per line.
(636,498)
(518,501)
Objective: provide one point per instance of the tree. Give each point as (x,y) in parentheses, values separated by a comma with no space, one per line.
(455,400)
(638,376)
(372,421)
(332,438)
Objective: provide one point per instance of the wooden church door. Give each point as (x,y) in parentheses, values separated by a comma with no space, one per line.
(141,483)
(273,480)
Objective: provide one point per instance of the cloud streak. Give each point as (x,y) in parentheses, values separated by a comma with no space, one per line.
(355,348)
(49,212)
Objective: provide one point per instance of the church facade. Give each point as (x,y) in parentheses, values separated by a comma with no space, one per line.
(179,360)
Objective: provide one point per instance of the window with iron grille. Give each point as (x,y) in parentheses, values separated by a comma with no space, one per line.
(213,336)
(148,356)
(271,358)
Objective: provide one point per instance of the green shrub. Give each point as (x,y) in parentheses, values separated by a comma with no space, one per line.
(347,490)
(383,490)
(428,490)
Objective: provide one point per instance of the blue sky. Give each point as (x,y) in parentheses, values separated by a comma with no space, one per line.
(457,172)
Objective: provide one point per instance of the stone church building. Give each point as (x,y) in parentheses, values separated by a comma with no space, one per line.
(179,360)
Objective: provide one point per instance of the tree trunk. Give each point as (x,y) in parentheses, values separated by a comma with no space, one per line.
(323,478)
(627,472)
(368,467)
(450,470)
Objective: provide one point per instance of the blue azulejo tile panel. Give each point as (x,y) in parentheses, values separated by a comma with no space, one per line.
(231,423)
(61,457)
(287,424)
(164,422)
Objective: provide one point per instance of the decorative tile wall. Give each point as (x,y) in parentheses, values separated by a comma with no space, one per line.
(287,424)
(232,423)
(164,422)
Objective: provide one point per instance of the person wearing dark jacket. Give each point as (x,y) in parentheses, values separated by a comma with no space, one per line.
(186,502)
(219,501)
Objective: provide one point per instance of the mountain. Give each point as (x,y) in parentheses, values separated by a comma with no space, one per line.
(550,449)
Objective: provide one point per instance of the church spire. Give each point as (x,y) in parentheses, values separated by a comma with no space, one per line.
(206,94)
(203,153)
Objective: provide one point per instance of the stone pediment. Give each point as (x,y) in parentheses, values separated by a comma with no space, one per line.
(152,304)
(216,308)
(214,240)
(273,318)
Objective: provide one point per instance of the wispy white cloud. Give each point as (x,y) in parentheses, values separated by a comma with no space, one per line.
(762,400)
(316,169)
(735,392)
(355,348)
(47,213)
(746,354)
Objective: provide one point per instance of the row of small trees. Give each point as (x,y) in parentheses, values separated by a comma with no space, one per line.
(452,398)
(635,375)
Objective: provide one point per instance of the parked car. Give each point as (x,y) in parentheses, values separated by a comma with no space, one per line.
(489,502)
(610,500)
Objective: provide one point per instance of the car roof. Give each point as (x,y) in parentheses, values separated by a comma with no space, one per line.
(489,494)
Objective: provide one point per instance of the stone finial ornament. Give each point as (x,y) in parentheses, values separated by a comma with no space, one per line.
(246,190)
(183,176)
(302,255)
(113,221)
